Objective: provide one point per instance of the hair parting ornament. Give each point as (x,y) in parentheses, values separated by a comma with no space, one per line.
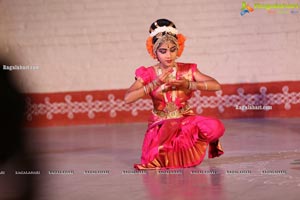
(163,34)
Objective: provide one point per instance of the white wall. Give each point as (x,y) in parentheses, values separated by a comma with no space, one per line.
(97,44)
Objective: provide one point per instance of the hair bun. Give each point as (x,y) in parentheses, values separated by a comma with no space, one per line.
(161,23)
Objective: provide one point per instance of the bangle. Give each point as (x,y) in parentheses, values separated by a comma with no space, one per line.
(145,90)
(192,85)
(189,85)
(157,82)
(205,84)
(153,85)
(150,85)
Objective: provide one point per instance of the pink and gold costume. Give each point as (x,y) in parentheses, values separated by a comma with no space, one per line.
(176,137)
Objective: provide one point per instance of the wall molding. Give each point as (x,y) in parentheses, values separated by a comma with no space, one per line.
(105,107)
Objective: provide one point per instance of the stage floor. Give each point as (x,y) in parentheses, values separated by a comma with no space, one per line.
(261,161)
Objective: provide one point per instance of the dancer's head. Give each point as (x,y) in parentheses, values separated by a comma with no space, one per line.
(164,32)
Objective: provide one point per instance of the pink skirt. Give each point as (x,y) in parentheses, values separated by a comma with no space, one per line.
(180,142)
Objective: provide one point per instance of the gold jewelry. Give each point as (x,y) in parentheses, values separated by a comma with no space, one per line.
(173,113)
(189,85)
(153,85)
(145,90)
(150,85)
(192,85)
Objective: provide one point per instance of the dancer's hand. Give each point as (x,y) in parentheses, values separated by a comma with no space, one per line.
(163,78)
(181,84)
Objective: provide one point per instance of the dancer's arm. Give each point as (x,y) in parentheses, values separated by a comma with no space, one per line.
(137,90)
(202,82)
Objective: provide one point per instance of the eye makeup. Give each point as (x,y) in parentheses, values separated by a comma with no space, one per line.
(173,49)
(164,50)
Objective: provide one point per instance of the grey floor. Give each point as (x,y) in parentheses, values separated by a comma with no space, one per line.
(261,161)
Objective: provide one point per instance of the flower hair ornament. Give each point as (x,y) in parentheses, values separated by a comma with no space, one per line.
(160,29)
(167,32)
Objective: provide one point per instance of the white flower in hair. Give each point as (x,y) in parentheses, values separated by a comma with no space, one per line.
(161,29)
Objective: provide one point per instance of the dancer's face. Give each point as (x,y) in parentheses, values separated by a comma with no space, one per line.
(167,54)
